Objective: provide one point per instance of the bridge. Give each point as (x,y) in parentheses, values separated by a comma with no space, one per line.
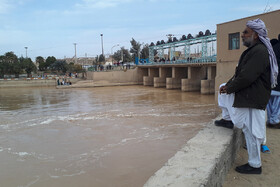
(189,65)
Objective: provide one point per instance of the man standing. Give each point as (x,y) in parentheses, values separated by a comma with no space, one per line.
(273,107)
(244,97)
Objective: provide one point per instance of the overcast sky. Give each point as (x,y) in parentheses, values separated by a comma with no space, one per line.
(50,27)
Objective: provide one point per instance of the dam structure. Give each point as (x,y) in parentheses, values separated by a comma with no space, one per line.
(188,64)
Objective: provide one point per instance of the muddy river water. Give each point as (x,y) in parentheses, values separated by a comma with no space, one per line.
(94,137)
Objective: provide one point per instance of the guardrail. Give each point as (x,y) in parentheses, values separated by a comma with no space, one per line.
(185,61)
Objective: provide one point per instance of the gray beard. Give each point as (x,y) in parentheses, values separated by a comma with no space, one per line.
(249,41)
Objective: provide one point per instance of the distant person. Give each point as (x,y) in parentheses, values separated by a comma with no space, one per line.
(273,107)
(244,97)
(58,83)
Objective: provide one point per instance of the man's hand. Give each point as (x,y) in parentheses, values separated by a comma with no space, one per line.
(223,89)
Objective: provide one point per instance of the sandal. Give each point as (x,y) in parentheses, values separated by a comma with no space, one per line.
(265,149)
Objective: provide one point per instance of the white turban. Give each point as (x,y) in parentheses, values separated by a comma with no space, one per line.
(259,27)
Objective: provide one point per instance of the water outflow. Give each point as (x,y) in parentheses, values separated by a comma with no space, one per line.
(110,136)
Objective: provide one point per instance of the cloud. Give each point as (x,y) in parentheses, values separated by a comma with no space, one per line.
(5,6)
(89,4)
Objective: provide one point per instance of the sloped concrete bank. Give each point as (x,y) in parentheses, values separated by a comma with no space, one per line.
(11,83)
(203,162)
(27,83)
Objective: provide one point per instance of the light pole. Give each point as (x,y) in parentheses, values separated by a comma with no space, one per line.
(112,52)
(102,44)
(75,44)
(26,51)
(112,49)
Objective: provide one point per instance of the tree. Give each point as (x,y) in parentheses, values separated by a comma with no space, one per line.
(207,33)
(42,64)
(117,56)
(200,34)
(12,64)
(175,39)
(79,69)
(70,67)
(189,36)
(49,61)
(101,58)
(28,66)
(60,66)
(183,38)
(39,60)
(135,48)
(96,60)
(4,66)
(145,51)
(126,55)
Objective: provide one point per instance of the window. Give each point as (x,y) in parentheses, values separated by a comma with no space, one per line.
(234,41)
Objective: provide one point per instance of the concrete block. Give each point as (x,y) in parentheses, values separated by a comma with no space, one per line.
(203,161)
(189,85)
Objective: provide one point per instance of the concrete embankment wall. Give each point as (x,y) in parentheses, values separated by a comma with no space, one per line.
(9,83)
(134,76)
(203,162)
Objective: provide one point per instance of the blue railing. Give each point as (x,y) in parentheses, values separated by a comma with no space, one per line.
(210,59)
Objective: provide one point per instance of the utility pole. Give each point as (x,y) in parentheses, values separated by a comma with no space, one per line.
(26,51)
(102,44)
(75,44)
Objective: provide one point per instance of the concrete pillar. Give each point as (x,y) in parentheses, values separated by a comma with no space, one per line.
(163,74)
(193,82)
(177,75)
(141,72)
(149,80)
(208,86)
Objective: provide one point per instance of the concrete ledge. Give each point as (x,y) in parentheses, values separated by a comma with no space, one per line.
(203,161)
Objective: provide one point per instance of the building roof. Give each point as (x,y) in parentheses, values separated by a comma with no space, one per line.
(250,17)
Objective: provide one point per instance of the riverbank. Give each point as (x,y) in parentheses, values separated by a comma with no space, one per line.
(91,83)
(32,82)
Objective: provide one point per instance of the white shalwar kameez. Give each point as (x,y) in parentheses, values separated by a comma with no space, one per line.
(273,108)
(252,123)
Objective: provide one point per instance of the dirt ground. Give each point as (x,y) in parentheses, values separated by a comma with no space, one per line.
(270,176)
